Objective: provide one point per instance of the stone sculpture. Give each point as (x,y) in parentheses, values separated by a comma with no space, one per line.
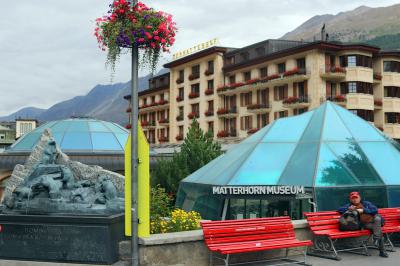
(51,183)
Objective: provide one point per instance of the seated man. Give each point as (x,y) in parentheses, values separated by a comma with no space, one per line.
(368,218)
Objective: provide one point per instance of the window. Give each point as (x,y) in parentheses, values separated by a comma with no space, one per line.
(180,110)
(282,114)
(260,51)
(232,79)
(281,68)
(153,99)
(144,101)
(210,84)
(196,70)
(181,93)
(351,61)
(196,108)
(392,91)
(391,66)
(263,72)
(392,118)
(246,122)
(162,96)
(210,127)
(230,60)
(245,99)
(211,106)
(262,120)
(281,93)
(367,115)
(301,63)
(301,89)
(210,66)
(247,75)
(180,130)
(181,74)
(195,88)
(352,87)
(244,56)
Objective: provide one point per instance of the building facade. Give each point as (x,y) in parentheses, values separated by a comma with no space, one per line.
(7,137)
(235,92)
(23,126)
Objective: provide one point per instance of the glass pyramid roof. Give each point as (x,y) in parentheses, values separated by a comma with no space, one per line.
(78,135)
(325,147)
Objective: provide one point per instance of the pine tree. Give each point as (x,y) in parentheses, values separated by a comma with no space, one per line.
(197,149)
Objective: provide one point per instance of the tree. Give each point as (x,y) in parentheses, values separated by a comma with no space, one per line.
(197,149)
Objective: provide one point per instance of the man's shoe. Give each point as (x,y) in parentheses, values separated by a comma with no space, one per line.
(376,242)
(383,254)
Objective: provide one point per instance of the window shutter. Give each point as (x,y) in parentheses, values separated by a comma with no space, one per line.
(250,98)
(295,89)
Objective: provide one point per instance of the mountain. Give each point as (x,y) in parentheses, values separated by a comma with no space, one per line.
(28,112)
(103,102)
(363,24)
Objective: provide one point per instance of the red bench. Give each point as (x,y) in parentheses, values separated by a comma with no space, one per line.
(325,227)
(251,235)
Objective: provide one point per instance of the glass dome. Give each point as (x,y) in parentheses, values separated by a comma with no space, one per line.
(329,150)
(78,135)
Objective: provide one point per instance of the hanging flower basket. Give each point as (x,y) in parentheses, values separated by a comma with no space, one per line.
(126,26)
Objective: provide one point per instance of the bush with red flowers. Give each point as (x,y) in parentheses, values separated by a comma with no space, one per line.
(179,118)
(193,95)
(126,26)
(179,99)
(337,69)
(256,106)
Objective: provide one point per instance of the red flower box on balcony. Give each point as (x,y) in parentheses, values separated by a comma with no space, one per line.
(222,134)
(162,139)
(163,121)
(193,115)
(292,72)
(179,118)
(252,130)
(179,99)
(291,100)
(235,85)
(222,111)
(145,123)
(208,113)
(378,102)
(208,91)
(208,72)
(256,106)
(273,76)
(194,76)
(193,95)
(154,104)
(179,137)
(336,69)
(162,102)
(222,88)
(252,81)
(179,81)
(339,98)
(377,76)
(144,106)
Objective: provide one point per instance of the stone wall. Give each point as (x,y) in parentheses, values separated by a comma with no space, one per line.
(187,248)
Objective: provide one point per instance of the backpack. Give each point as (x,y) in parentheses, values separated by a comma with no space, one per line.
(349,221)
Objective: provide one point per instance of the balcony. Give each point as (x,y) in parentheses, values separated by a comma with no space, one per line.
(391,78)
(227,134)
(209,72)
(193,115)
(148,124)
(338,99)
(294,75)
(252,131)
(392,130)
(357,73)
(360,101)
(227,112)
(391,104)
(194,95)
(162,104)
(179,117)
(296,102)
(163,122)
(209,92)
(209,113)
(258,108)
(334,73)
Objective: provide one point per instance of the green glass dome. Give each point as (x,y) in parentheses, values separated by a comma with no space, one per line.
(79,135)
(328,150)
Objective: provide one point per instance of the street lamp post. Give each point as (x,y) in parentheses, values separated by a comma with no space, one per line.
(134,143)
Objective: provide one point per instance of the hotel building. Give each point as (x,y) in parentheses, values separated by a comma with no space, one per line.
(235,92)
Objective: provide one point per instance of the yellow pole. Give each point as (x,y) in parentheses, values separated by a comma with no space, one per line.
(143,186)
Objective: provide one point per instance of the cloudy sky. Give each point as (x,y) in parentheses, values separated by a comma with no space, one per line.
(48,52)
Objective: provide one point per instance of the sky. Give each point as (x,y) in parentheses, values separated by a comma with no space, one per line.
(48,52)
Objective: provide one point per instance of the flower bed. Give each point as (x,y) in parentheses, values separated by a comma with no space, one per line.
(144,106)
(193,115)
(144,123)
(193,95)
(339,98)
(208,92)
(149,30)
(178,221)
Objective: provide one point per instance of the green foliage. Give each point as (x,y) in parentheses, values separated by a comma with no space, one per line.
(160,203)
(197,149)
(386,42)
(177,221)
